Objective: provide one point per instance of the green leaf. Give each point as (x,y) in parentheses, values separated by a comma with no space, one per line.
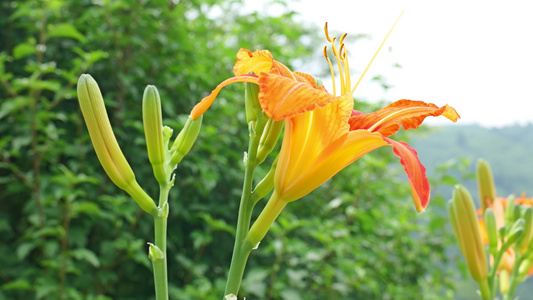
(19,284)
(23,50)
(24,249)
(86,255)
(65,30)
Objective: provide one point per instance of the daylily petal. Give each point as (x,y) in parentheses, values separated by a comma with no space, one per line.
(335,157)
(406,113)
(200,108)
(282,97)
(416,172)
(257,61)
(306,135)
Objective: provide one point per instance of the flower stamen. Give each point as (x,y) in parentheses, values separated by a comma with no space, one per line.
(375,54)
(330,67)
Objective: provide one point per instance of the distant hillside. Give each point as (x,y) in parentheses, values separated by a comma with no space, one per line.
(509,150)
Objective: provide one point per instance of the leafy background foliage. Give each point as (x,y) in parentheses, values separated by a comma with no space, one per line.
(66,232)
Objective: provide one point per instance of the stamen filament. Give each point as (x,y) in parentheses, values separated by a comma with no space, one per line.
(341,73)
(330,67)
(372,60)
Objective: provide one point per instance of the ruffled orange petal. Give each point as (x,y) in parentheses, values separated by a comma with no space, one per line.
(406,113)
(282,97)
(257,61)
(200,108)
(416,172)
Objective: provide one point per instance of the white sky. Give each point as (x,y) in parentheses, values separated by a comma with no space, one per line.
(476,56)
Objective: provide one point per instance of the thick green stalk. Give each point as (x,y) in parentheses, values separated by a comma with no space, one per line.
(159,260)
(242,249)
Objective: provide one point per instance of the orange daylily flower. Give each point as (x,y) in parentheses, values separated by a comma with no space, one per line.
(498,207)
(320,142)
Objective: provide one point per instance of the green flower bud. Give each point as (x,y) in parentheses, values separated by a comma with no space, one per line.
(251,96)
(492,230)
(516,232)
(527,214)
(505,283)
(185,139)
(154,253)
(269,139)
(485,183)
(153,131)
(463,217)
(525,266)
(266,185)
(510,211)
(105,144)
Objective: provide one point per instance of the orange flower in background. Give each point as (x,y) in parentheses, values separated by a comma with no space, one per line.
(498,207)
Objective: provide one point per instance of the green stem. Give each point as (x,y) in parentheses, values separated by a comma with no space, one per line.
(160,263)
(515,278)
(265,219)
(242,248)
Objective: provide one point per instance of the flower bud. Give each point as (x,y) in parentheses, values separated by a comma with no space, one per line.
(485,183)
(504,281)
(527,214)
(525,266)
(463,217)
(251,96)
(510,211)
(492,230)
(105,144)
(516,232)
(266,185)
(269,139)
(153,131)
(185,139)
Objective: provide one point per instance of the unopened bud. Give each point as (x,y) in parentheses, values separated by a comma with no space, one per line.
(491,229)
(504,281)
(266,185)
(185,139)
(485,183)
(510,210)
(524,267)
(105,144)
(269,139)
(251,96)
(527,214)
(463,216)
(154,253)
(516,232)
(153,131)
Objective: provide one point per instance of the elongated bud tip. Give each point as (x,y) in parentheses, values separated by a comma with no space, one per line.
(485,182)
